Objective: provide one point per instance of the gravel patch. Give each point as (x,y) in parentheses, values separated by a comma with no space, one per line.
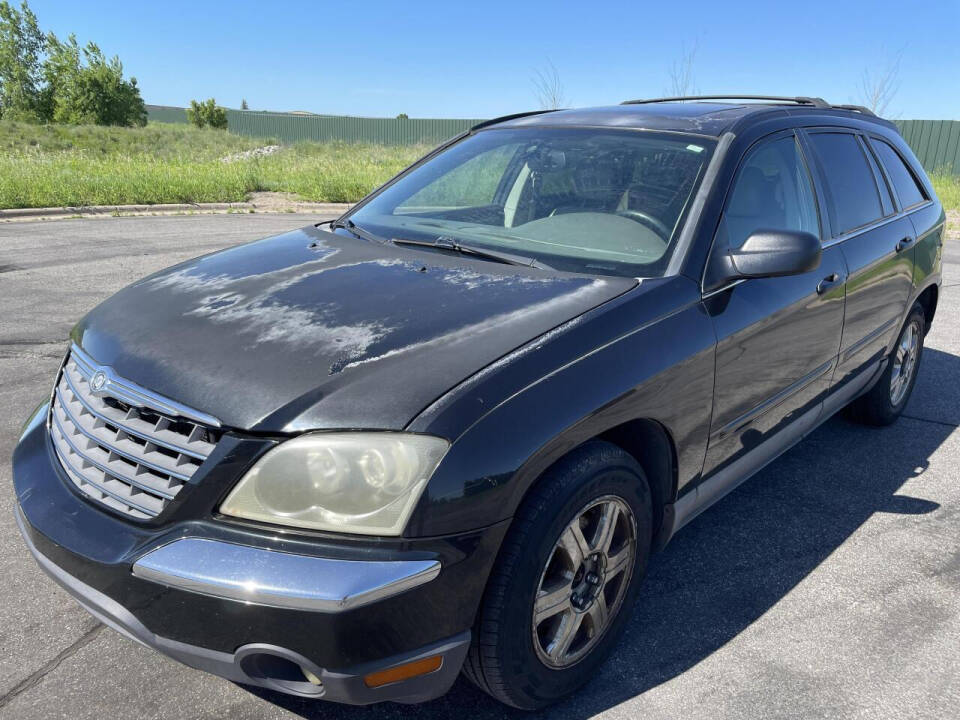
(254,153)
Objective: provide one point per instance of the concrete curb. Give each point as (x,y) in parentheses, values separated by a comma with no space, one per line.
(169,208)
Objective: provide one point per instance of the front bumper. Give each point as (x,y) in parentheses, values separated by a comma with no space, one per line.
(259,606)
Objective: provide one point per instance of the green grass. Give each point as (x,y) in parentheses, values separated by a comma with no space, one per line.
(67,166)
(333,172)
(947,187)
(158,140)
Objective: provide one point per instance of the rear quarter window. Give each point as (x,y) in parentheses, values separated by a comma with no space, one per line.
(850,182)
(905,184)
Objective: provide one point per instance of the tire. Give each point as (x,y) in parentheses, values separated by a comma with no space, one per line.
(884,402)
(510,657)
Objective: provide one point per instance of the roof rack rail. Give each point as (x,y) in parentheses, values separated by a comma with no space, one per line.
(856,108)
(797,100)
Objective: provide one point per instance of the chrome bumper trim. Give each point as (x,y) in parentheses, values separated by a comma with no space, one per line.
(280,579)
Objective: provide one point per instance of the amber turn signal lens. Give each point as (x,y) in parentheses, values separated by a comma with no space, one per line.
(403,672)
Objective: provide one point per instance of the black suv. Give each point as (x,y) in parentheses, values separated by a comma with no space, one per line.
(446,431)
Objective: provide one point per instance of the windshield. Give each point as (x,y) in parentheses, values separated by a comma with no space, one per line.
(583,200)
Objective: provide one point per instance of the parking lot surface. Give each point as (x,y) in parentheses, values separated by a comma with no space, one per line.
(827,586)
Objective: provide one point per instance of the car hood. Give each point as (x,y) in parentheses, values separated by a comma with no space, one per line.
(314,330)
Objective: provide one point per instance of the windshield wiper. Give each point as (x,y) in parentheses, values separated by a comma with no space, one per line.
(350,226)
(449,244)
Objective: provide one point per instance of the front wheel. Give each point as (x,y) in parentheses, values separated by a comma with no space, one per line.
(887,399)
(566,577)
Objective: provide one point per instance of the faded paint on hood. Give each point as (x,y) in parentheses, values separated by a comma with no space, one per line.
(312,330)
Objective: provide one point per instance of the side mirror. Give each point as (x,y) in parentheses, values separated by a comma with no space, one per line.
(775,253)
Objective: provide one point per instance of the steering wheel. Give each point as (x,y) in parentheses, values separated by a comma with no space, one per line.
(662,231)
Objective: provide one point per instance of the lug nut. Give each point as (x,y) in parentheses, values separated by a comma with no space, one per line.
(593,579)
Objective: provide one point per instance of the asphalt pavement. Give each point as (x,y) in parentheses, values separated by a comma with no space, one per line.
(827,586)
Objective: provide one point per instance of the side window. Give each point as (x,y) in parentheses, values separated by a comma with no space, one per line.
(772,191)
(903,181)
(849,180)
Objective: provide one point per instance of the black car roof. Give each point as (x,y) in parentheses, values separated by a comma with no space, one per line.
(704,118)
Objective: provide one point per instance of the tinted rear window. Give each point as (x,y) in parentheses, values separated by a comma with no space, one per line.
(901,177)
(850,183)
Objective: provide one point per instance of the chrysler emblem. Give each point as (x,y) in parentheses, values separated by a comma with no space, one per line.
(98,380)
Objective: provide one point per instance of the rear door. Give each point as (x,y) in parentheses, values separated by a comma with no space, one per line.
(877,242)
(912,198)
(777,338)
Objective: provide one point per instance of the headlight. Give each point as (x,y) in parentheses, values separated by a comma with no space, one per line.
(365,483)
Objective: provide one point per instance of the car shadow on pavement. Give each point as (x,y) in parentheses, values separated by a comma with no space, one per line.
(737,560)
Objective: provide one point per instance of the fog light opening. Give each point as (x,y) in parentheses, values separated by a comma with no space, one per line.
(406,671)
(281,673)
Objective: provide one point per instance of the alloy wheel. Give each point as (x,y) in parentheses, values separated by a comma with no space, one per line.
(904,362)
(584,581)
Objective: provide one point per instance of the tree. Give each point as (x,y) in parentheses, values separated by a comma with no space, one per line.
(206,112)
(879,87)
(243,104)
(21,46)
(84,87)
(681,74)
(42,78)
(549,88)
(403,116)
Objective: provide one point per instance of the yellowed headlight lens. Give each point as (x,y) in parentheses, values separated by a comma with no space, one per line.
(365,483)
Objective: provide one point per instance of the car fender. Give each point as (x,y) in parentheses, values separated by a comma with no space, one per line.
(647,355)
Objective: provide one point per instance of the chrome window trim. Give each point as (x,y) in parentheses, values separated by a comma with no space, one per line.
(917,206)
(874,225)
(280,579)
(861,230)
(136,395)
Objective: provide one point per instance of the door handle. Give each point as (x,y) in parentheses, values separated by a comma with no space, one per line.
(830,281)
(904,244)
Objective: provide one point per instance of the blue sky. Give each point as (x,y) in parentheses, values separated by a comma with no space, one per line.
(459,59)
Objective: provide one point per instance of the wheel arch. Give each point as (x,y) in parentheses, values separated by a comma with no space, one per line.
(652,446)
(648,441)
(928,300)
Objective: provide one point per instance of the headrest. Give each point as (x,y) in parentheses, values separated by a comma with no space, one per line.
(752,191)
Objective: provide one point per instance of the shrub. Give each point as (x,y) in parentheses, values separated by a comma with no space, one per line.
(207,113)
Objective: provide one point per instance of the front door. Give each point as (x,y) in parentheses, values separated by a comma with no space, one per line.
(777,338)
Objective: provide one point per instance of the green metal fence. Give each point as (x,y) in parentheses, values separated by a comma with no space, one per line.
(290,128)
(935,142)
(166,114)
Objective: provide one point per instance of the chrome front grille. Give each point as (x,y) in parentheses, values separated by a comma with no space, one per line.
(122,445)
